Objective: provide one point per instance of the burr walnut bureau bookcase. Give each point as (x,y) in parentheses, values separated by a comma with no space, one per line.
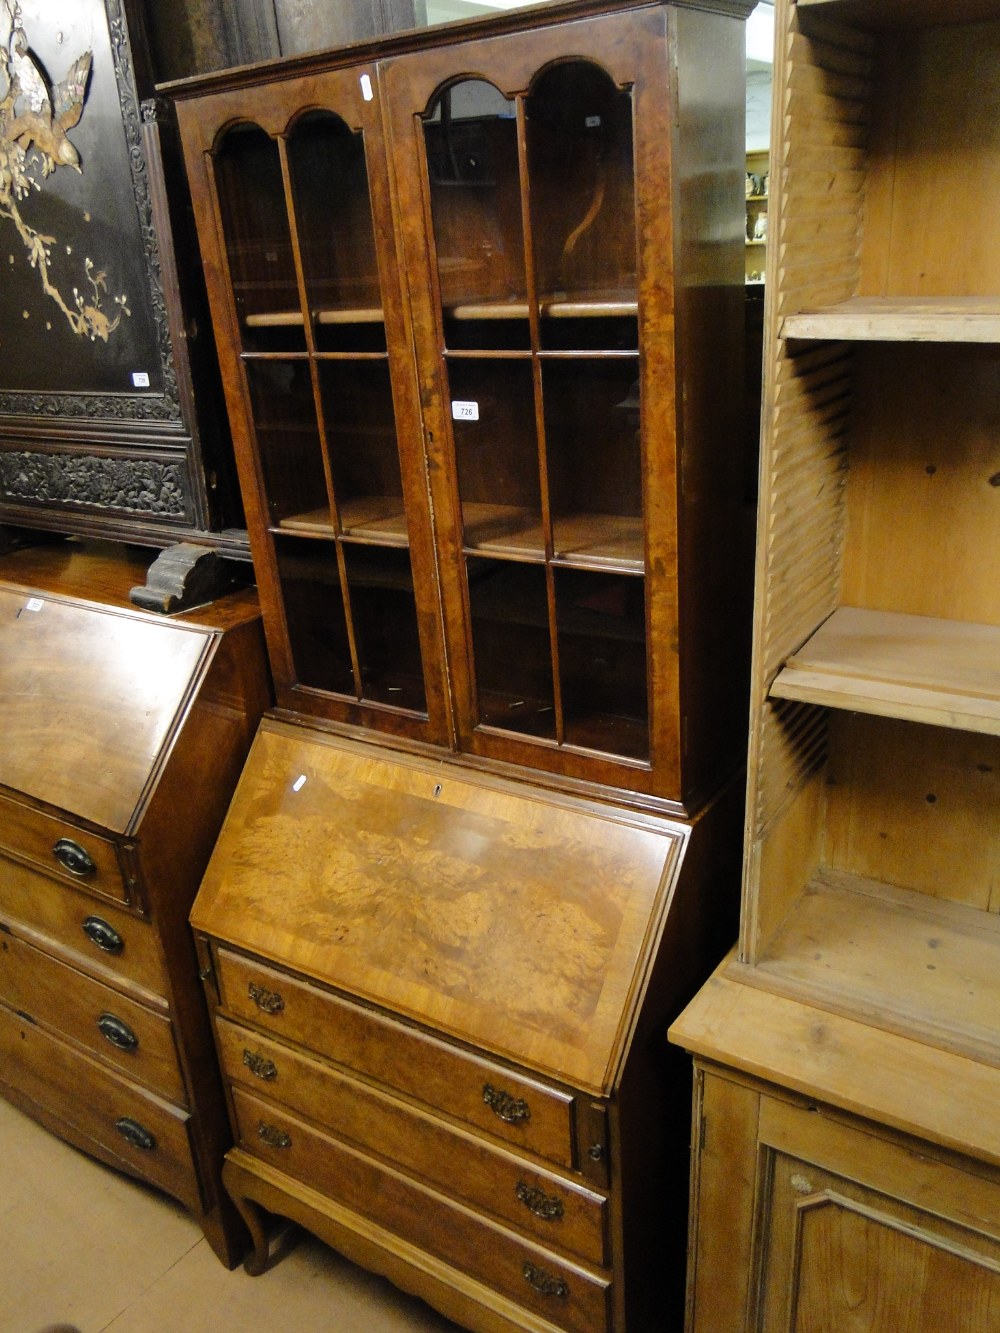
(848,1056)
(123,737)
(478,295)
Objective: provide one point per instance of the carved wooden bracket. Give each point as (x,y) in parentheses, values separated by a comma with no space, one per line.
(183,576)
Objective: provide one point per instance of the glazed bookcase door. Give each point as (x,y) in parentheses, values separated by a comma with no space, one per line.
(320,382)
(520,186)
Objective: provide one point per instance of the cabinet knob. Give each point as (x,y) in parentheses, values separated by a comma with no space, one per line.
(117,1032)
(260,1065)
(269,1000)
(544,1283)
(136,1134)
(72,857)
(511,1110)
(103,934)
(547,1206)
(273,1136)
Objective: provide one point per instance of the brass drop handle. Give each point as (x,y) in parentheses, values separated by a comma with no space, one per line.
(273,1136)
(136,1134)
(260,1065)
(549,1207)
(511,1110)
(270,1001)
(117,1032)
(72,857)
(546,1284)
(104,935)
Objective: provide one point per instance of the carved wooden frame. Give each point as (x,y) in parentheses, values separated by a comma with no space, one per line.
(132,465)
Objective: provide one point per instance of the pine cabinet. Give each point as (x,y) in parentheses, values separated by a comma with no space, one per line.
(857,1226)
(869,863)
(479,304)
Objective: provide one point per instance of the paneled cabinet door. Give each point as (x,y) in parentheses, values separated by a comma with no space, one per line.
(853,1227)
(522,169)
(320,385)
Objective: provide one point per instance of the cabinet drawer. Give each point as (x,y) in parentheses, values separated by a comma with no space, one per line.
(523,1112)
(137,1040)
(62,849)
(99,932)
(148,1135)
(558,1212)
(570,1296)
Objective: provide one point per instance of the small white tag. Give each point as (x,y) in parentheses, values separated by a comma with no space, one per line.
(34,604)
(592,122)
(366,87)
(299,782)
(464,411)
(140,379)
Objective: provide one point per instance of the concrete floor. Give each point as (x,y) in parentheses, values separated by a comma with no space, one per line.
(82,1245)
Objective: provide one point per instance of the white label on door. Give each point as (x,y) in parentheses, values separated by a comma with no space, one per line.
(366,87)
(464,411)
(299,782)
(34,604)
(140,379)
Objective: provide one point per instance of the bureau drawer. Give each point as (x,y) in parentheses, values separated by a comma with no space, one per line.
(558,1212)
(137,1040)
(99,932)
(145,1133)
(537,1118)
(570,1296)
(62,849)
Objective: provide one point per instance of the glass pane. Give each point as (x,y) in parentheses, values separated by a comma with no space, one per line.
(471,140)
(385,625)
(314,612)
(364,456)
(579,127)
(258,240)
(288,445)
(329,175)
(602,661)
(493,411)
(511,646)
(594,461)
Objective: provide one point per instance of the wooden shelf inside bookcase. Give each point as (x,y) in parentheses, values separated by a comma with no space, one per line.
(603,541)
(375,518)
(588,307)
(917,668)
(286,319)
(896,958)
(970,319)
(904,13)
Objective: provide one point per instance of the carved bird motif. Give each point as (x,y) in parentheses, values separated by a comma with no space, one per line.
(45,115)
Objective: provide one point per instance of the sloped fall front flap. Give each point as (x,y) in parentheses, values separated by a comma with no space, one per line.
(519,921)
(89,698)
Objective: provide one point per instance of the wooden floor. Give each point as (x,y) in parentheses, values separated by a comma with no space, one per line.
(83,1246)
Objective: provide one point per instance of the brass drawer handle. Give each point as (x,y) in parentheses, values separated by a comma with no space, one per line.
(260,1065)
(104,935)
(273,1136)
(72,857)
(512,1110)
(268,1000)
(544,1283)
(136,1134)
(117,1032)
(547,1206)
